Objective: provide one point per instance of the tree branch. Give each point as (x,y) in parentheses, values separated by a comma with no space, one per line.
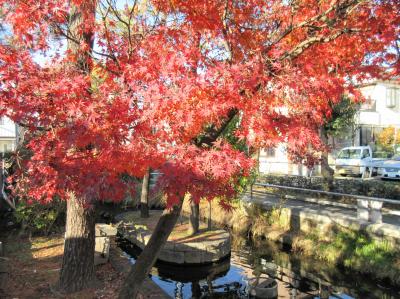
(213,133)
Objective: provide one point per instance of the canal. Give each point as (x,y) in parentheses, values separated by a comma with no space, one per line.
(296,275)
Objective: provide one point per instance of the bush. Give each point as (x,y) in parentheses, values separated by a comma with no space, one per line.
(38,218)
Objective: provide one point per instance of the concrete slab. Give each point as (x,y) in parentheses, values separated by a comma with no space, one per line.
(205,247)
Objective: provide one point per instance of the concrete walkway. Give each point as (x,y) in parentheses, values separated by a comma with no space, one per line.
(332,210)
(306,212)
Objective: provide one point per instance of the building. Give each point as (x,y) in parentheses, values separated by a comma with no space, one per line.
(8,135)
(380,110)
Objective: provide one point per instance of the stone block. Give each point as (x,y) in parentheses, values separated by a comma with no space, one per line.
(170,256)
(102,250)
(169,246)
(375,215)
(210,256)
(105,230)
(99,260)
(362,210)
(193,257)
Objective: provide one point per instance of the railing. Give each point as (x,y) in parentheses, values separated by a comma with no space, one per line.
(368,208)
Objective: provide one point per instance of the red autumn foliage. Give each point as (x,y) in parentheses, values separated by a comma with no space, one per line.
(164,71)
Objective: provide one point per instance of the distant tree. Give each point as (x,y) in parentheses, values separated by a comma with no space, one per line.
(340,122)
(389,139)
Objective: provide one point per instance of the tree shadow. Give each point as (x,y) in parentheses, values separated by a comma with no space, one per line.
(32,266)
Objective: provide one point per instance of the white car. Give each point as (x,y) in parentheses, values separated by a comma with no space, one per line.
(391,168)
(356,160)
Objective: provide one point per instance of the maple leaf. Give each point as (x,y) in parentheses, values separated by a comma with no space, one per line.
(154,87)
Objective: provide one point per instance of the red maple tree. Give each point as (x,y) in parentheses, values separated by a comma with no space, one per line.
(106,88)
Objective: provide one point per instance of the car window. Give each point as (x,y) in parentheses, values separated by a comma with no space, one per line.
(350,154)
(365,154)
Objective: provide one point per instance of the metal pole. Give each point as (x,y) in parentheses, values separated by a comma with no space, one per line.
(209,216)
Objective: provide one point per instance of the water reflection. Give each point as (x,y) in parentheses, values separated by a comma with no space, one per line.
(297,277)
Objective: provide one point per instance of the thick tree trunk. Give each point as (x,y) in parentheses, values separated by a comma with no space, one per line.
(144,196)
(194,218)
(326,171)
(77,270)
(141,269)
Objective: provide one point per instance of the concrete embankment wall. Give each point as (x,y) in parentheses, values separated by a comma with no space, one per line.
(372,249)
(283,224)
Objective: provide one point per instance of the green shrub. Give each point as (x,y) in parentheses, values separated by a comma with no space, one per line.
(40,218)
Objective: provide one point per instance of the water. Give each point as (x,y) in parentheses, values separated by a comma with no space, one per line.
(297,276)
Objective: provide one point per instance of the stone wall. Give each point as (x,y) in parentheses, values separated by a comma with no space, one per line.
(371,187)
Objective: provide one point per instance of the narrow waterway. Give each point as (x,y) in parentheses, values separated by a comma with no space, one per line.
(297,276)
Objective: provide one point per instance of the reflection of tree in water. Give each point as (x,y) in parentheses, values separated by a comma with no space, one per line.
(298,277)
(196,290)
(178,290)
(231,290)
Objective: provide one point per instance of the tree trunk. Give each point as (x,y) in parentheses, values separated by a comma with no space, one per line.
(77,270)
(3,179)
(326,171)
(144,196)
(194,218)
(141,269)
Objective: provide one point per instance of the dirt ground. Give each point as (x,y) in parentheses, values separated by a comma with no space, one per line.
(32,268)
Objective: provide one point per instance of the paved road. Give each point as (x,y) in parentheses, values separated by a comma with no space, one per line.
(333,211)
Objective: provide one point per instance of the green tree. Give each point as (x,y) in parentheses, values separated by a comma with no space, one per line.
(337,124)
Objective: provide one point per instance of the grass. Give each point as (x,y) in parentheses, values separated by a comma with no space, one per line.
(354,250)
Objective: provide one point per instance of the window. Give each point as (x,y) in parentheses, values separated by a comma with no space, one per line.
(368,134)
(270,152)
(5,148)
(365,154)
(350,154)
(391,97)
(368,105)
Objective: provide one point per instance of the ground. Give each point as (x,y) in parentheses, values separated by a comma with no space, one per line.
(33,266)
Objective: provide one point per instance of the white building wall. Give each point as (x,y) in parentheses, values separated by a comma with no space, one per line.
(382,114)
(275,161)
(8,135)
(374,113)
